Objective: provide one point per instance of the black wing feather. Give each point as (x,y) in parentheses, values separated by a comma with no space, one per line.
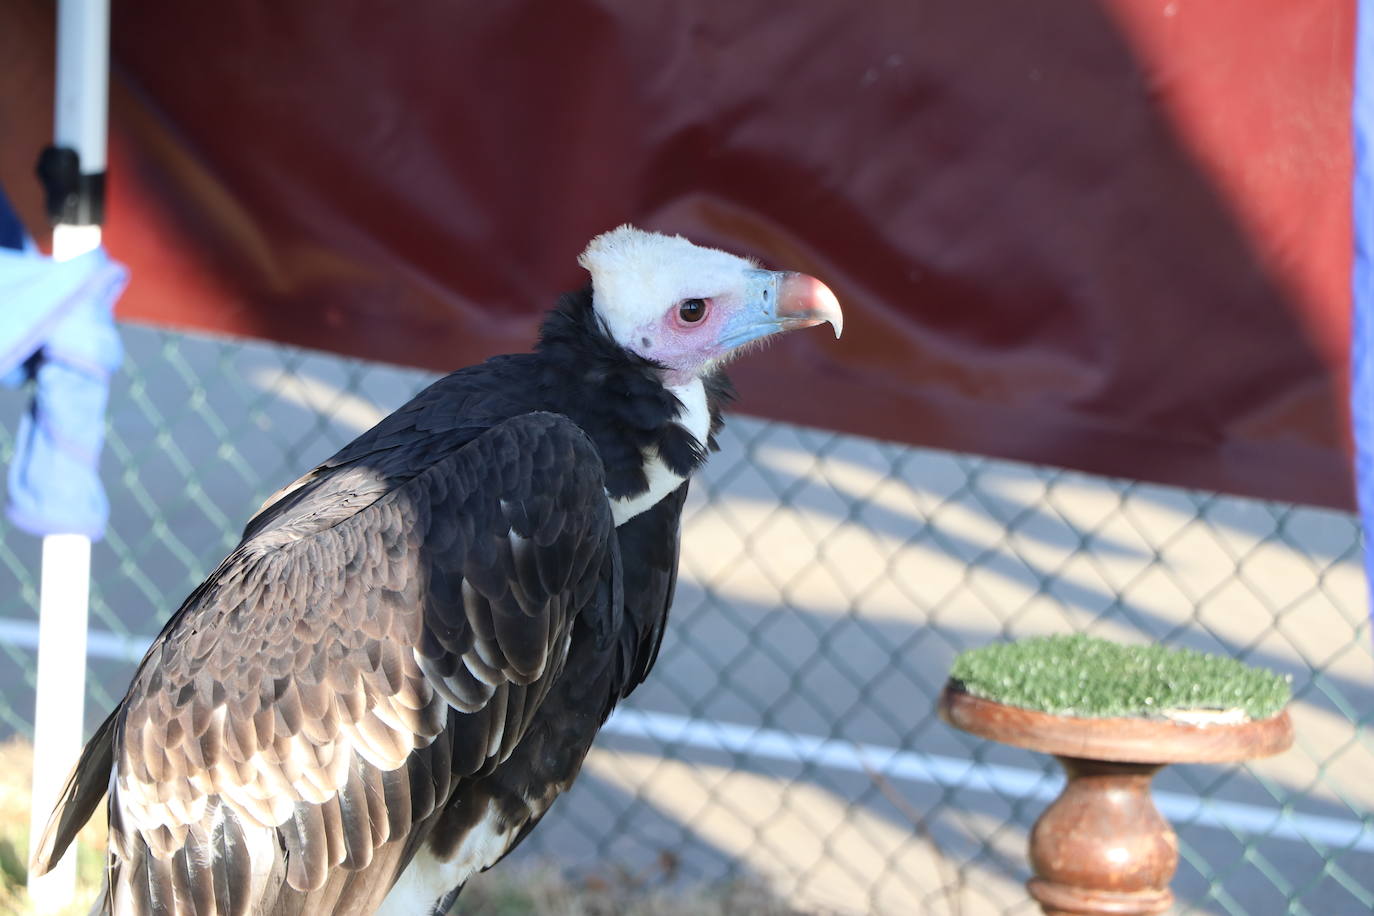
(649,547)
(370,604)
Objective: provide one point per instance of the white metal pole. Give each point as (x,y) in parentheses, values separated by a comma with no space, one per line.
(80,124)
(59,706)
(83,80)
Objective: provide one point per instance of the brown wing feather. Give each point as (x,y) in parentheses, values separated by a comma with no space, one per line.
(330,684)
(79,797)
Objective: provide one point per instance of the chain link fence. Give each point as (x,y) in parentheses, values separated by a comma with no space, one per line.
(788,732)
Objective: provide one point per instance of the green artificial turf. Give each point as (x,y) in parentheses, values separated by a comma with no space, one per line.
(1088,677)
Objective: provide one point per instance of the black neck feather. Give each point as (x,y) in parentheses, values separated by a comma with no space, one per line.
(618,397)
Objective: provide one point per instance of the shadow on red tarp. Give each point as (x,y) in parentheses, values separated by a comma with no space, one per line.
(1112,237)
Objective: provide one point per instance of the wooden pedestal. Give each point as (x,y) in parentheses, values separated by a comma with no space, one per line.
(1102,847)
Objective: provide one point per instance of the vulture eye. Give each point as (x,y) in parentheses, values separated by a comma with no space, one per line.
(692,310)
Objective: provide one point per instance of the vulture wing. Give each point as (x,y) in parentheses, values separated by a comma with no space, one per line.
(649,557)
(293,733)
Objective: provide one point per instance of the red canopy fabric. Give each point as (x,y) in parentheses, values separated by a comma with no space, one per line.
(1108,236)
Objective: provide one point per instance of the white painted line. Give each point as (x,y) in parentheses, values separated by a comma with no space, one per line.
(359,414)
(954,772)
(934,769)
(99,643)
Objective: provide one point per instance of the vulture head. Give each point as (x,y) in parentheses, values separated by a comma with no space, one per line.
(689,309)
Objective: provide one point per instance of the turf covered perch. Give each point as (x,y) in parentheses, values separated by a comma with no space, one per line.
(1093,678)
(1113,716)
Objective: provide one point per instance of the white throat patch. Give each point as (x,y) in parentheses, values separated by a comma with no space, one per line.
(696,419)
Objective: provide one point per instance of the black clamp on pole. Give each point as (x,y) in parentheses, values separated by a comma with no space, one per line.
(73,199)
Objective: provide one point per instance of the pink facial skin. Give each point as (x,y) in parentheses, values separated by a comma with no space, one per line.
(686,348)
(770,303)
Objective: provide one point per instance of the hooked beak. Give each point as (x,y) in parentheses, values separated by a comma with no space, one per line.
(782,301)
(804,302)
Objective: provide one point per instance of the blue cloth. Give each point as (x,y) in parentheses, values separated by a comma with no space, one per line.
(1362,280)
(57,330)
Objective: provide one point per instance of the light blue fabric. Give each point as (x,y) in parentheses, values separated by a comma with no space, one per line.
(57,330)
(1362,281)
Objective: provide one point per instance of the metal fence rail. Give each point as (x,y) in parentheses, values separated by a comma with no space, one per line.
(788,731)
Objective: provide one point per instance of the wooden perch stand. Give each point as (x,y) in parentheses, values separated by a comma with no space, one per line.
(1102,847)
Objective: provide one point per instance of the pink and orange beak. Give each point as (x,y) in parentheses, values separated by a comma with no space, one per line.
(804,302)
(778,301)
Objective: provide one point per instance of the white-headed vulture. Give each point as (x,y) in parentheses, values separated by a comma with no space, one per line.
(387,683)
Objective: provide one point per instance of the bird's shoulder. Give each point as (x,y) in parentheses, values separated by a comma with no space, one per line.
(435,423)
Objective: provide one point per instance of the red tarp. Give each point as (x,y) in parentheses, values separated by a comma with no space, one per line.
(1109,236)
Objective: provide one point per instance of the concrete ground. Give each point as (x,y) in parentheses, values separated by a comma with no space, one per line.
(788,730)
